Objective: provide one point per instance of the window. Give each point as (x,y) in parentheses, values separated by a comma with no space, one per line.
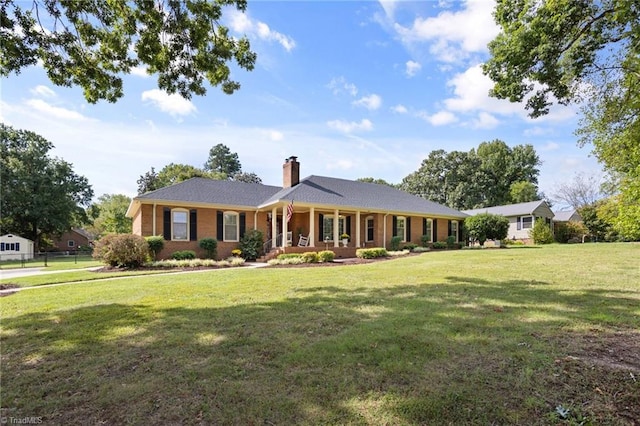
(1,246)
(401,226)
(370,228)
(71,243)
(454,230)
(231,224)
(428,229)
(327,227)
(179,228)
(525,222)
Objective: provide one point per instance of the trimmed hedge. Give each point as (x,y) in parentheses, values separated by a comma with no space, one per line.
(326,256)
(122,250)
(183,255)
(371,253)
(310,257)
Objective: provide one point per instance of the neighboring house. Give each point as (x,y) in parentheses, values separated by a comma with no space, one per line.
(72,240)
(14,247)
(567,216)
(521,217)
(322,208)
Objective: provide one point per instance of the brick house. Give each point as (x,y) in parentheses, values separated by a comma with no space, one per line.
(72,240)
(316,207)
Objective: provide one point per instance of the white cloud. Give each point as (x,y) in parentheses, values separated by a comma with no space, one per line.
(241,23)
(172,104)
(454,35)
(275,135)
(54,111)
(399,109)
(339,84)
(550,146)
(484,121)
(371,102)
(140,71)
(441,118)
(43,92)
(412,68)
(350,126)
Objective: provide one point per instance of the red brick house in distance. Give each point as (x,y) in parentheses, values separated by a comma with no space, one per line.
(322,209)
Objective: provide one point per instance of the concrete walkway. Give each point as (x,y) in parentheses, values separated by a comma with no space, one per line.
(6,274)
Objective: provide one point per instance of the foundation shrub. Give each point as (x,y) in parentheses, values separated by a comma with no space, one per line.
(371,253)
(122,250)
(183,255)
(326,256)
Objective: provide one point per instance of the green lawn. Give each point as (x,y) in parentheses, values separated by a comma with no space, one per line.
(545,335)
(53,263)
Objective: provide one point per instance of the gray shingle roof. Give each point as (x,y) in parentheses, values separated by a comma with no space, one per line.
(320,190)
(203,190)
(316,190)
(508,210)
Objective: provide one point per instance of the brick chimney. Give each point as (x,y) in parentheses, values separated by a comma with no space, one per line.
(290,172)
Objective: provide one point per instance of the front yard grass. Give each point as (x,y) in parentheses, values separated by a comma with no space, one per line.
(543,335)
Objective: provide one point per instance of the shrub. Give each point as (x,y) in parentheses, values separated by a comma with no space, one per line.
(569,231)
(398,253)
(183,255)
(421,249)
(251,244)
(284,256)
(541,232)
(439,245)
(425,240)
(286,261)
(156,244)
(326,256)
(410,246)
(486,226)
(210,246)
(310,257)
(371,253)
(394,245)
(451,242)
(122,250)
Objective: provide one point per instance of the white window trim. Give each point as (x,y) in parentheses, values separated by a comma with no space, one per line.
(178,210)
(457,228)
(404,228)
(430,227)
(342,223)
(522,227)
(366,232)
(224,226)
(71,243)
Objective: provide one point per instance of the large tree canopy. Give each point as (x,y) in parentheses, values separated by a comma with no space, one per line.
(578,51)
(92,43)
(41,196)
(479,178)
(222,160)
(109,215)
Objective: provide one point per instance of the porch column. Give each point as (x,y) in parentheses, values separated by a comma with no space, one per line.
(285,225)
(312,227)
(336,226)
(274,227)
(358,229)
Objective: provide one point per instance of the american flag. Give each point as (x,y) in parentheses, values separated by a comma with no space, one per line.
(289,211)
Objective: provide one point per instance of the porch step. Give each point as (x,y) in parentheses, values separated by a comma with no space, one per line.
(268,256)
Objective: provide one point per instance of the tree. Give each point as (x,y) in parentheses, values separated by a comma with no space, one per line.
(474,179)
(522,192)
(222,160)
(148,182)
(577,51)
(247,177)
(583,190)
(171,174)
(41,196)
(487,226)
(91,44)
(109,215)
(541,232)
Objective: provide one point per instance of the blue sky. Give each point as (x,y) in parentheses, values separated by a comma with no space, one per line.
(352,88)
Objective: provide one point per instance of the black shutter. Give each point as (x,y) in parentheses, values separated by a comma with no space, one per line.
(394,226)
(320,226)
(220,225)
(193,225)
(424,226)
(17,246)
(448,228)
(408,229)
(243,224)
(434,223)
(348,224)
(519,222)
(166,224)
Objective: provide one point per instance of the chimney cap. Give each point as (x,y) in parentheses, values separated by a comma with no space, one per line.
(293,158)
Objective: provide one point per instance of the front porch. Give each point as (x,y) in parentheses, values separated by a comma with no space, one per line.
(340,252)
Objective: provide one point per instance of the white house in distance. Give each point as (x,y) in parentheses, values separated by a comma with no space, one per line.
(521,217)
(567,216)
(14,247)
